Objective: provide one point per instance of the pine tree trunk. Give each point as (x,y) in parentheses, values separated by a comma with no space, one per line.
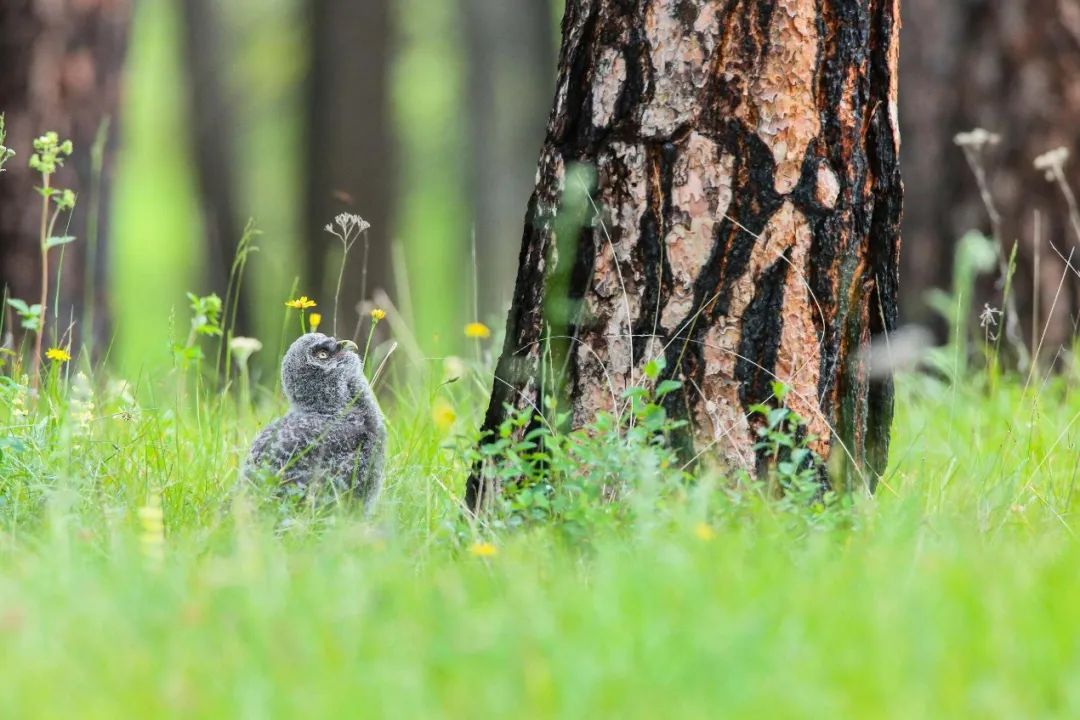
(350,152)
(749,199)
(212,129)
(60,69)
(937,211)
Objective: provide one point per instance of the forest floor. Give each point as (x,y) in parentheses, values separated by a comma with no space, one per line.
(138,579)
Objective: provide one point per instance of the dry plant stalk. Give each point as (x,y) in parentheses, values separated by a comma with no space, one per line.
(973,144)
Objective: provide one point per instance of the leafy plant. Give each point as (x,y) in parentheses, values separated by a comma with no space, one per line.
(205,321)
(793,473)
(29,315)
(48,157)
(606,474)
(6,153)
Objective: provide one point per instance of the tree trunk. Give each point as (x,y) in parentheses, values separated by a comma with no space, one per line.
(350,152)
(212,126)
(60,69)
(511,56)
(935,214)
(749,199)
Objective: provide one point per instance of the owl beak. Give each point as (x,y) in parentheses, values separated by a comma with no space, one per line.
(347,345)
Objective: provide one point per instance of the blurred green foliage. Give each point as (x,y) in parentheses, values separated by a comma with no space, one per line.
(158,250)
(156,245)
(429,83)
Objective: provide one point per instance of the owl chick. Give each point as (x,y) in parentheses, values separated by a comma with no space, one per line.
(334,432)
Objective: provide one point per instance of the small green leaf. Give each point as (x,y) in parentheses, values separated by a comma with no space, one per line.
(759,409)
(654,367)
(59,240)
(667,387)
(20,306)
(777,416)
(780,390)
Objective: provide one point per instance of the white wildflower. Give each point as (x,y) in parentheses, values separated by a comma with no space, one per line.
(1052,163)
(453,368)
(988,318)
(349,227)
(976,139)
(243,348)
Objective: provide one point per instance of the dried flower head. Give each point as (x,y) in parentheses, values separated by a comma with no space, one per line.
(349,227)
(976,139)
(1052,163)
(988,318)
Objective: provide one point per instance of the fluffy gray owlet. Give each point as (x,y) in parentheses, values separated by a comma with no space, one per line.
(334,432)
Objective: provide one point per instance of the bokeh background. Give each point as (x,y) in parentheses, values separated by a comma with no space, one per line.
(426,117)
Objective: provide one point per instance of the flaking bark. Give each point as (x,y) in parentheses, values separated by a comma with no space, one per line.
(749,197)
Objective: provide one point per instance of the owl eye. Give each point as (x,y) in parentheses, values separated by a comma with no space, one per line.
(322,354)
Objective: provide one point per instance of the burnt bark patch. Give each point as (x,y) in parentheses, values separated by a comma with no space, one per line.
(762,322)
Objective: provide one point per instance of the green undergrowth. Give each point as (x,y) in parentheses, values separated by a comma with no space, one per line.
(140,577)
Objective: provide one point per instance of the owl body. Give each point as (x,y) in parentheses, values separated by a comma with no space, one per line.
(334,434)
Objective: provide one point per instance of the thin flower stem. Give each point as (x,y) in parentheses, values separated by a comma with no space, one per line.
(363,272)
(340,277)
(1012,318)
(371,334)
(44,278)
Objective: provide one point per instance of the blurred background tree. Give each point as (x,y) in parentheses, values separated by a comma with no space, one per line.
(211,128)
(350,148)
(426,118)
(1011,68)
(511,48)
(60,69)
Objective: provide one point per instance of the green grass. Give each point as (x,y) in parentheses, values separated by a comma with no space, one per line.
(951,594)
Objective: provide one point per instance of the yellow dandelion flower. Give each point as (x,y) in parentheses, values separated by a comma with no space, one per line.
(704,532)
(313,321)
(301,303)
(483,549)
(478,331)
(443,414)
(378,314)
(58,354)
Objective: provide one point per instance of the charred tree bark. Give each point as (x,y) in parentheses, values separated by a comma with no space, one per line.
(211,127)
(511,54)
(350,150)
(749,202)
(60,69)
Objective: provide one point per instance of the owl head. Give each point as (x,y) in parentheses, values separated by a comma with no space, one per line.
(322,374)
